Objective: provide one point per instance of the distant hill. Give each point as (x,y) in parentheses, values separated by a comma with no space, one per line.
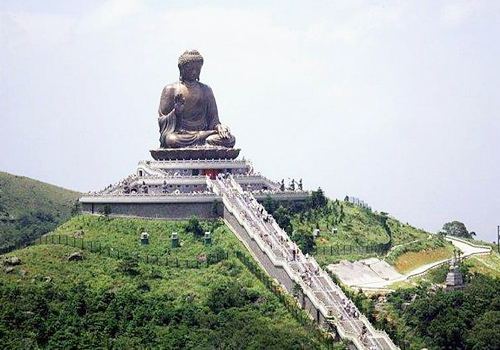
(30,208)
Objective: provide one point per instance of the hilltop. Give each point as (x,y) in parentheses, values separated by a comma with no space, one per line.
(29,208)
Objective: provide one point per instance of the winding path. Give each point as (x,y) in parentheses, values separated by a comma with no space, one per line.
(467,250)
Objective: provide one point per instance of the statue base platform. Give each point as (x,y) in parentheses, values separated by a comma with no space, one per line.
(194,153)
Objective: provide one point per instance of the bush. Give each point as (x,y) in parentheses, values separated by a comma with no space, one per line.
(106,210)
(317,199)
(129,266)
(194,226)
(305,241)
(283,218)
(216,254)
(226,295)
(270,204)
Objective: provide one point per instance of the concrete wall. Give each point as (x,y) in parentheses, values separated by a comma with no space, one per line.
(168,207)
(173,211)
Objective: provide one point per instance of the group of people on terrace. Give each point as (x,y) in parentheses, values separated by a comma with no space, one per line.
(116,186)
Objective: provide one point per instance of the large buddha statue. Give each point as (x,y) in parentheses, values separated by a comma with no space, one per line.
(188,112)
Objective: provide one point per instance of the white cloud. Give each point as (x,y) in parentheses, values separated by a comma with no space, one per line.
(43,30)
(360,22)
(455,13)
(111,13)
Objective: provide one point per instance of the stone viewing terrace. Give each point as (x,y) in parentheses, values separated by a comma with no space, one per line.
(272,247)
(178,189)
(157,178)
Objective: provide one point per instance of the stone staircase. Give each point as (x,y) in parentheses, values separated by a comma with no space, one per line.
(282,259)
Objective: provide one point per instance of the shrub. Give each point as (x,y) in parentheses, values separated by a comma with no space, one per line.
(194,226)
(129,266)
(226,295)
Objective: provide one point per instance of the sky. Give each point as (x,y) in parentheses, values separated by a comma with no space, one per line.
(394,102)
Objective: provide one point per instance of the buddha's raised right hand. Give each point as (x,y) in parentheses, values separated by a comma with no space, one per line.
(179,104)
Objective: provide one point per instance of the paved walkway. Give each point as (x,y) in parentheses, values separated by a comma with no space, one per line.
(367,277)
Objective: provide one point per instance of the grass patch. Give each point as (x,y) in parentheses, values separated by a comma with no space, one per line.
(485,264)
(124,234)
(435,242)
(412,260)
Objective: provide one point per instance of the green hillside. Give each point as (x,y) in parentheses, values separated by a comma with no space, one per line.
(30,208)
(126,303)
(348,231)
(427,317)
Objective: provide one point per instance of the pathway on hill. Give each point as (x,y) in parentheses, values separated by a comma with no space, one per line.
(375,280)
(284,261)
(407,243)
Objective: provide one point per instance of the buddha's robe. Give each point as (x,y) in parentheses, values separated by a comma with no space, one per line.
(196,125)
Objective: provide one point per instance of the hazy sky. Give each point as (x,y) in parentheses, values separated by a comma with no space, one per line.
(394,102)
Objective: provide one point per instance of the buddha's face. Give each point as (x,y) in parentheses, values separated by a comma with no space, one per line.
(191,71)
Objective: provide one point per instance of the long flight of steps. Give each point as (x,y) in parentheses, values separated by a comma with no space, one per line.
(283,260)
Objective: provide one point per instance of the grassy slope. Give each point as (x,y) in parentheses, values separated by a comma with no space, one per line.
(124,234)
(29,208)
(485,264)
(19,193)
(102,274)
(359,227)
(411,260)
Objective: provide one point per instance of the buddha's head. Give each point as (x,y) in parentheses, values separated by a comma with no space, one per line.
(190,63)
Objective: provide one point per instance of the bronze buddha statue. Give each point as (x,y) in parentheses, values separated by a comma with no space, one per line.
(188,113)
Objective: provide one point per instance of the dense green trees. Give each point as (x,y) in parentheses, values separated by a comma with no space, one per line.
(29,225)
(317,199)
(305,241)
(456,228)
(43,315)
(283,218)
(284,215)
(485,335)
(468,319)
